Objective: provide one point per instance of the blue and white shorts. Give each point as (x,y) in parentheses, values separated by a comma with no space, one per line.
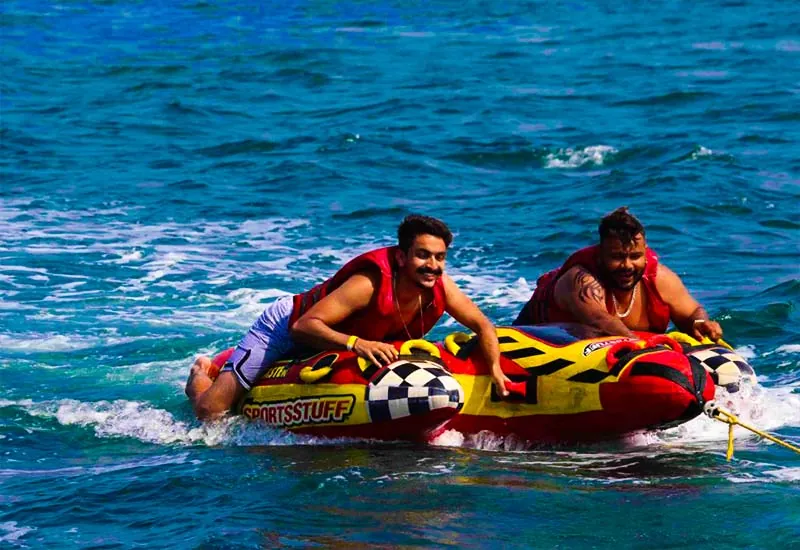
(266,342)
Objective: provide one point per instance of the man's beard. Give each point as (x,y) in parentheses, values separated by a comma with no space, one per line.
(610,278)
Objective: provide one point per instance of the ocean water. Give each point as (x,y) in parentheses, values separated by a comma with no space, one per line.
(168,168)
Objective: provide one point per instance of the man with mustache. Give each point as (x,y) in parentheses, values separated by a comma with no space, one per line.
(389,294)
(617,286)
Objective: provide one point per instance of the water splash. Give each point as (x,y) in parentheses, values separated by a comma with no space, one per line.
(11,532)
(575,158)
(149,424)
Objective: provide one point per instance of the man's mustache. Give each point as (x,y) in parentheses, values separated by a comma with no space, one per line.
(429,271)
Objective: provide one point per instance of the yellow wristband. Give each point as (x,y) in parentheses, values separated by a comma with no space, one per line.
(351,342)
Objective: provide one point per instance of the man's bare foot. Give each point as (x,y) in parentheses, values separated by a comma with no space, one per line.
(203,364)
(201,376)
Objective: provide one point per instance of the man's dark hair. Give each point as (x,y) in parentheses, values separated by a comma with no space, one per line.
(622,225)
(414,225)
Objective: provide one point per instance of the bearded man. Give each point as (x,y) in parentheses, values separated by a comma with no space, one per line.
(617,286)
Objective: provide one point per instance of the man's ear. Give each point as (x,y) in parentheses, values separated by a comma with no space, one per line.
(400,257)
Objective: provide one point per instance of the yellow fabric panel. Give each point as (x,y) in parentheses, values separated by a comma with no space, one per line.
(555,396)
(299,405)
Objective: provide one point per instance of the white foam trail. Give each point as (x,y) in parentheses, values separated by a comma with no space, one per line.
(448,438)
(571,158)
(786,349)
(124,418)
(147,462)
(247,305)
(784,474)
(11,532)
(55,342)
(778,475)
(14,306)
(484,441)
(60,342)
(132,243)
(492,290)
(747,353)
(146,423)
(133,256)
(766,409)
(251,303)
(514,294)
(702,152)
(22,268)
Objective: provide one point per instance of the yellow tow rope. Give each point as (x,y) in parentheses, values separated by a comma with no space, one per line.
(718,413)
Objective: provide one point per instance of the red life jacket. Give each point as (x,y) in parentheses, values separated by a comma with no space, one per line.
(542,307)
(376,320)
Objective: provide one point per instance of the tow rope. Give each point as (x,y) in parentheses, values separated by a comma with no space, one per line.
(718,413)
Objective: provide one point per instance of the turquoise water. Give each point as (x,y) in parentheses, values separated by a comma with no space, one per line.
(169,168)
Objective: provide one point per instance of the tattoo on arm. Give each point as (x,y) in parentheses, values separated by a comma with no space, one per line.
(589,290)
(590,305)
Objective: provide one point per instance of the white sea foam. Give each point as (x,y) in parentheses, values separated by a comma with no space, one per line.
(249,305)
(60,342)
(746,352)
(11,532)
(133,256)
(702,152)
(778,474)
(50,342)
(494,290)
(10,305)
(575,158)
(146,462)
(784,474)
(788,348)
(142,421)
(448,438)
(25,403)
(714,45)
(7,268)
(484,440)
(513,294)
(156,270)
(766,409)
(131,243)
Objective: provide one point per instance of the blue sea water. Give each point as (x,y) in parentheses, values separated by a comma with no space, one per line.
(168,168)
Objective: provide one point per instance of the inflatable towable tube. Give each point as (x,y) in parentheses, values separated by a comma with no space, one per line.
(568,384)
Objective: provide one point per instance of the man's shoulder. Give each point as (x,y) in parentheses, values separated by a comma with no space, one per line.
(370,271)
(577,277)
(667,281)
(663,273)
(578,271)
(366,278)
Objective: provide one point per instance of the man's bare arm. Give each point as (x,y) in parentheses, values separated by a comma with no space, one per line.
(579,292)
(314,326)
(687,314)
(464,310)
